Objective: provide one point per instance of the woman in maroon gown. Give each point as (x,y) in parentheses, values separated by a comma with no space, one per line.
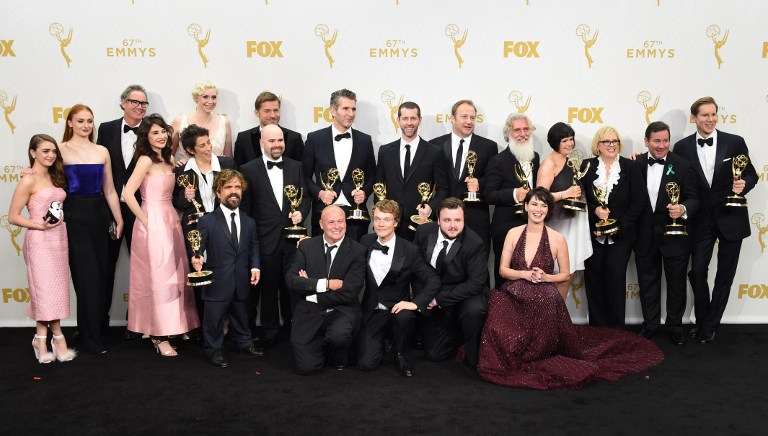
(529,340)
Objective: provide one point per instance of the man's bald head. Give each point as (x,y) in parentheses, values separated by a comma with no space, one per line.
(272,141)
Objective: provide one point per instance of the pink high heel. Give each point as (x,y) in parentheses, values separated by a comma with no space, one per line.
(67,355)
(46,357)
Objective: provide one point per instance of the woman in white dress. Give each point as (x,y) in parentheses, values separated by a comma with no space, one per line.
(205,96)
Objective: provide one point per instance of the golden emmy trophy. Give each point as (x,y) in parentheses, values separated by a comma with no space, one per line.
(473,197)
(738,163)
(574,162)
(183,181)
(358,178)
(294,197)
(426,191)
(521,172)
(330,178)
(673,191)
(380,191)
(608,226)
(197,278)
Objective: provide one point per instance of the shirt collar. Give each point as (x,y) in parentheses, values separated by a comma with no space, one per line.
(456,138)
(414,143)
(713,136)
(335,131)
(337,244)
(192,164)
(227,211)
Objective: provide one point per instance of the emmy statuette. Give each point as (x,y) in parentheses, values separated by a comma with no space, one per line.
(202,277)
(294,196)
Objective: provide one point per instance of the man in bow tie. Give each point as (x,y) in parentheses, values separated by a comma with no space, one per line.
(653,248)
(711,152)
(345,149)
(395,267)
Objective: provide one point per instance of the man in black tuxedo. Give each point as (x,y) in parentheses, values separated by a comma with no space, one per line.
(326,277)
(455,147)
(711,153)
(341,147)
(407,162)
(247,143)
(231,244)
(503,189)
(395,266)
(267,203)
(119,137)
(459,257)
(654,249)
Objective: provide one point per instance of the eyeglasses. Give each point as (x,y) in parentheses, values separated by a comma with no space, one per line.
(609,142)
(137,103)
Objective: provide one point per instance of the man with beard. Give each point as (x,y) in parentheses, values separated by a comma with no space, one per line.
(247,144)
(503,188)
(406,163)
(231,244)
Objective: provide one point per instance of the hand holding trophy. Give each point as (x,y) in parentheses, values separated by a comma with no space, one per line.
(426,191)
(522,171)
(330,178)
(738,164)
(574,162)
(673,191)
(183,181)
(294,196)
(473,197)
(358,178)
(197,278)
(607,226)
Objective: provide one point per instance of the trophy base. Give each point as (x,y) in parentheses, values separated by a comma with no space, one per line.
(675,230)
(416,222)
(735,201)
(193,217)
(574,204)
(200,278)
(472,197)
(519,209)
(606,227)
(358,214)
(294,232)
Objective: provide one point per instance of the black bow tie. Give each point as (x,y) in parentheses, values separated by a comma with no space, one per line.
(341,136)
(708,141)
(127,128)
(377,246)
(652,161)
(271,164)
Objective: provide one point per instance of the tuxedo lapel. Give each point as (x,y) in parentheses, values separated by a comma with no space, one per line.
(261,170)
(449,158)
(420,152)
(224,226)
(720,154)
(455,247)
(693,157)
(255,137)
(431,242)
(117,140)
(398,259)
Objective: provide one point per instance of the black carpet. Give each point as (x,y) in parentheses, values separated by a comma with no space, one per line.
(719,388)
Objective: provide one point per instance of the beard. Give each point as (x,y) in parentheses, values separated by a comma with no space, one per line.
(523,152)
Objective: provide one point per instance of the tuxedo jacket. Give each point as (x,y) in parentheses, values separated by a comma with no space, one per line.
(319,156)
(651,224)
(231,265)
(477,215)
(259,200)
(348,265)
(426,166)
(732,222)
(500,184)
(109,136)
(466,264)
(408,270)
(626,201)
(247,147)
(185,206)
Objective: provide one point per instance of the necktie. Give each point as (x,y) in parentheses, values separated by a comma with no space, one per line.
(708,141)
(407,163)
(383,248)
(271,165)
(457,162)
(440,261)
(341,136)
(328,259)
(127,128)
(652,161)
(233,231)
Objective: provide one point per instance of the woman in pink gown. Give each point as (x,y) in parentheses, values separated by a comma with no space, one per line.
(160,304)
(45,246)
(528,339)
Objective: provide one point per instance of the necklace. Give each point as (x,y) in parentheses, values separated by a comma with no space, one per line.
(83,148)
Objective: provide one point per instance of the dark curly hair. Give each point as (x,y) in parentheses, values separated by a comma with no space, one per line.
(143,148)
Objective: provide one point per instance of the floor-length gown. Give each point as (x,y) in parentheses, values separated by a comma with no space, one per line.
(529,340)
(159,302)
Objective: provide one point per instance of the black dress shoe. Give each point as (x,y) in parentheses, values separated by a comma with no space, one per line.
(707,337)
(340,359)
(404,365)
(677,338)
(264,343)
(647,332)
(253,351)
(218,360)
(694,332)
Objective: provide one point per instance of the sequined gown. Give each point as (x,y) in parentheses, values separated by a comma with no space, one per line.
(529,340)
(159,302)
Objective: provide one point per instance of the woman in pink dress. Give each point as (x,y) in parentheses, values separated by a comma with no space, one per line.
(45,246)
(160,304)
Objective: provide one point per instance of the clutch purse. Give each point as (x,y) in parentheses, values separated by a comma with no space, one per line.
(55,213)
(113,230)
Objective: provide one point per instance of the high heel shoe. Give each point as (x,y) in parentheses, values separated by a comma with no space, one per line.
(46,357)
(67,355)
(170,352)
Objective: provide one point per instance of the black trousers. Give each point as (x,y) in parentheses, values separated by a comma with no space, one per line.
(370,340)
(649,268)
(605,277)
(213,324)
(271,291)
(336,331)
(114,254)
(440,328)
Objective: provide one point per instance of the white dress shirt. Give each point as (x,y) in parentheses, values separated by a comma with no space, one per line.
(414,146)
(275,179)
(322,284)
(707,155)
(653,180)
(342,151)
(381,263)
(205,181)
(439,246)
(455,147)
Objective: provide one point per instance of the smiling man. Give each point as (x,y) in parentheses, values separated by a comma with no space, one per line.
(267,110)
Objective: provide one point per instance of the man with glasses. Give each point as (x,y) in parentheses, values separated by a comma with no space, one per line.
(119,137)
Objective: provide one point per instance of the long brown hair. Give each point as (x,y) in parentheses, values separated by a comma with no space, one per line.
(68,130)
(143,148)
(56,171)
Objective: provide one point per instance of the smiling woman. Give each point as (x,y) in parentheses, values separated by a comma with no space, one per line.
(205,96)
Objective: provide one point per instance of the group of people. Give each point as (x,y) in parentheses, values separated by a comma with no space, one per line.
(420,276)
